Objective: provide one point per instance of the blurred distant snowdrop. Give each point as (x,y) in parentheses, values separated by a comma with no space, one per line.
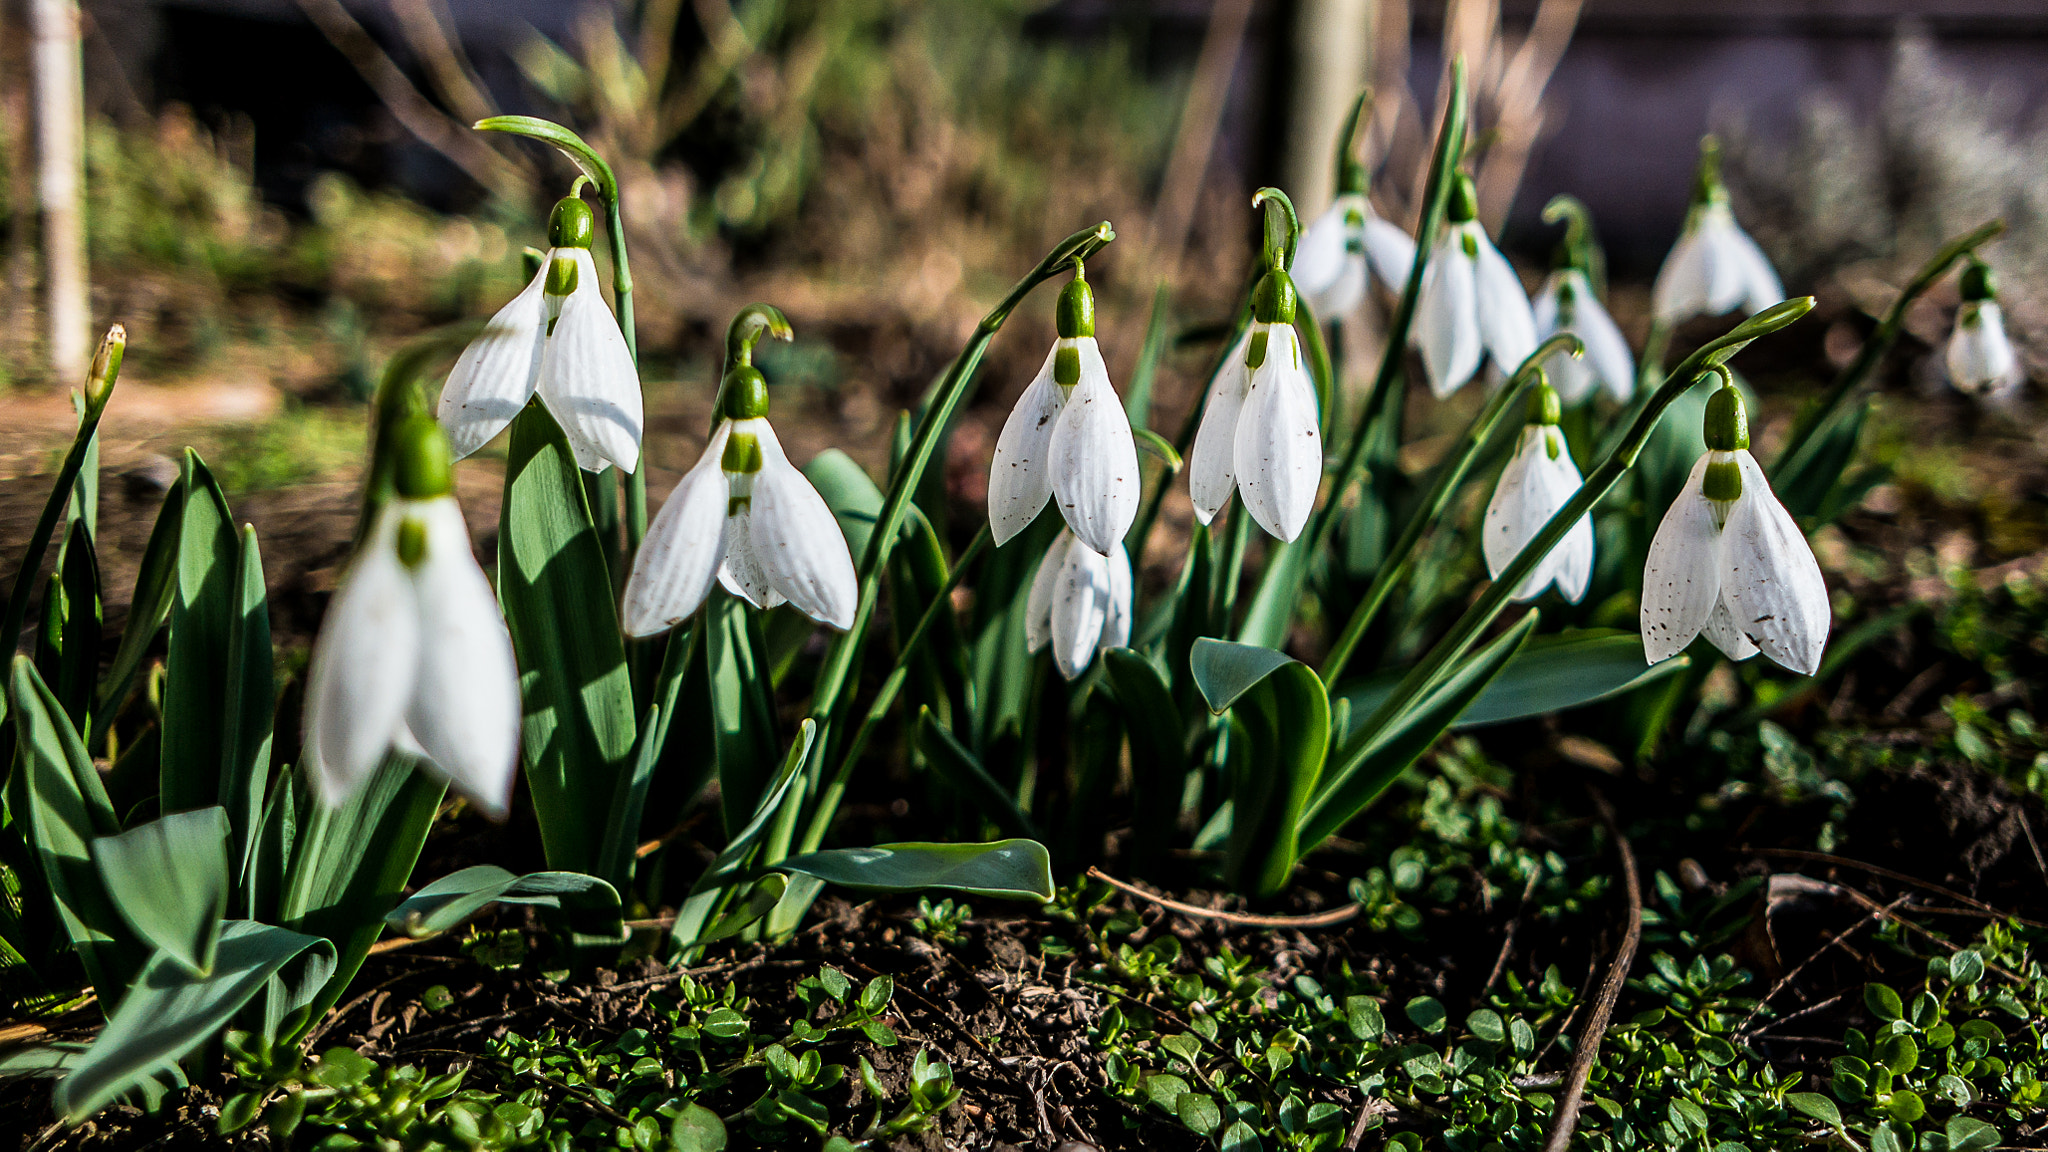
(1080,603)
(1980,357)
(1259,435)
(1715,266)
(746,516)
(1568,303)
(1730,562)
(558,340)
(1337,250)
(1067,439)
(1472,305)
(1540,478)
(413,654)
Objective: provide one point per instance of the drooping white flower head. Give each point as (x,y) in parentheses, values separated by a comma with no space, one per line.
(1539,479)
(1337,250)
(1715,266)
(1472,304)
(1259,435)
(413,653)
(1567,303)
(1080,603)
(556,339)
(745,516)
(1980,358)
(1730,562)
(1067,439)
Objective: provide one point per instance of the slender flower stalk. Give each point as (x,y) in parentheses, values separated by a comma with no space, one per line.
(1730,563)
(1539,479)
(1980,358)
(1715,267)
(414,654)
(1080,603)
(1068,437)
(1472,305)
(556,339)
(744,516)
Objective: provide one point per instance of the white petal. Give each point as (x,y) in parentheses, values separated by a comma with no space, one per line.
(1571,562)
(363,666)
(1505,323)
(1680,292)
(679,558)
(1038,606)
(1095,460)
(1116,630)
(1279,449)
(465,702)
(1760,285)
(495,376)
(1722,633)
(1980,357)
(1606,349)
(1772,584)
(1080,608)
(1447,320)
(1390,251)
(1532,488)
(1020,476)
(1573,377)
(797,541)
(1682,576)
(1320,257)
(740,572)
(1212,462)
(587,378)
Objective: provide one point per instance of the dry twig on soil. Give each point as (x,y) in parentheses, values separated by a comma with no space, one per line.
(1567,1116)
(1318,920)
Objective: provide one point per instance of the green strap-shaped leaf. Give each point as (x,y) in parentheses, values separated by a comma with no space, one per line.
(1808,478)
(169,1012)
(169,880)
(67,810)
(742,706)
(1159,762)
(1224,671)
(1278,596)
(77,663)
(250,704)
(760,900)
(456,897)
(148,609)
(960,768)
(1002,870)
(1372,761)
(577,739)
(850,492)
(1285,722)
(1549,674)
(202,619)
(711,888)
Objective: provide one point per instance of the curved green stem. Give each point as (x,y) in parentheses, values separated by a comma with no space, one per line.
(1400,559)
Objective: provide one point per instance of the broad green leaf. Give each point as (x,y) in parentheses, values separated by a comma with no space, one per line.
(852,495)
(250,704)
(963,771)
(1369,762)
(1004,869)
(629,802)
(1158,335)
(1224,671)
(711,888)
(1278,596)
(457,896)
(1815,1105)
(1549,674)
(169,880)
(195,707)
(1159,762)
(168,1012)
(67,810)
(155,587)
(579,726)
(697,1129)
(1969,1134)
(1286,719)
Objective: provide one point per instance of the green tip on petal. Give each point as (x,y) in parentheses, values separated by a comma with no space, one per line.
(1979,283)
(571,224)
(746,393)
(1723,481)
(1726,427)
(742,455)
(562,276)
(423,466)
(412,541)
(1075,315)
(1273,301)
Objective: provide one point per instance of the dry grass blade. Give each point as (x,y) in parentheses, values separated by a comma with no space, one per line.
(1318,920)
(1566,1118)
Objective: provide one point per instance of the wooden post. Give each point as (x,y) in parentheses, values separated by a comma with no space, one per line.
(60,183)
(1332,52)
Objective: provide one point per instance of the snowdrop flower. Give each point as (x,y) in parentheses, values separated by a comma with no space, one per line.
(1539,479)
(1472,304)
(1568,303)
(413,654)
(1715,266)
(1067,438)
(1080,603)
(746,516)
(556,339)
(1336,250)
(1729,561)
(1259,435)
(1980,359)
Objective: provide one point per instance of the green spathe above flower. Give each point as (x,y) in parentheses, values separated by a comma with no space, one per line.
(1540,478)
(1730,562)
(1715,266)
(746,516)
(1472,304)
(413,654)
(1980,357)
(1080,603)
(1260,436)
(1067,438)
(556,339)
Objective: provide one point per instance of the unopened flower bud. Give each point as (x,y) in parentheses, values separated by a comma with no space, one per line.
(106,367)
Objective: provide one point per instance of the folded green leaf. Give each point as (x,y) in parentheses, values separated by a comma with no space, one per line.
(248,712)
(195,708)
(457,896)
(759,901)
(1224,671)
(148,609)
(1549,674)
(1279,594)
(710,890)
(1003,870)
(1159,761)
(169,880)
(1285,718)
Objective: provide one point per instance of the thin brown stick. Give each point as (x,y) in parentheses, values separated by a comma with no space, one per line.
(1507,940)
(1895,918)
(1901,877)
(1566,1120)
(1838,938)
(2027,826)
(1319,920)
